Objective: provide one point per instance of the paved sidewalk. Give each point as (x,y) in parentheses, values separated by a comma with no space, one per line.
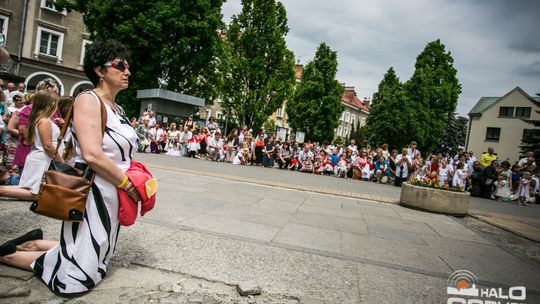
(524,221)
(208,234)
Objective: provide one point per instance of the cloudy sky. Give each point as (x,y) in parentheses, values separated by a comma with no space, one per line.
(495,43)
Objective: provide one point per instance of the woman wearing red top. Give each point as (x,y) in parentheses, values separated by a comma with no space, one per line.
(259,145)
(433,168)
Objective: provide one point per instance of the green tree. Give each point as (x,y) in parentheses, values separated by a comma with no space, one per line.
(433,91)
(172,39)
(391,117)
(261,67)
(454,134)
(316,105)
(531,142)
(358,133)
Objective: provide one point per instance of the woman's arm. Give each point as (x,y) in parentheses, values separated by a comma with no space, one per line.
(13,125)
(45,135)
(87,121)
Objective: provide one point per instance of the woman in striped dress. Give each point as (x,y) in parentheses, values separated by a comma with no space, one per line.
(78,262)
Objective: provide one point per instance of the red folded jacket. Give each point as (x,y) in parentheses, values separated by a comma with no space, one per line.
(139,176)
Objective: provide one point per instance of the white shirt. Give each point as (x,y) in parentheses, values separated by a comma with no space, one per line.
(522,161)
(353,148)
(404,164)
(412,153)
(152,121)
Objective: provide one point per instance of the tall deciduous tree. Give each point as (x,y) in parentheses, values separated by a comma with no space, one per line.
(261,67)
(434,90)
(316,106)
(454,135)
(531,142)
(391,117)
(173,39)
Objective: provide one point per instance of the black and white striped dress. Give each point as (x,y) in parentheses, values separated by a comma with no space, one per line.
(79,261)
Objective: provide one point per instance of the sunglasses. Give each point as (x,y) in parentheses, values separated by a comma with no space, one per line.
(119,65)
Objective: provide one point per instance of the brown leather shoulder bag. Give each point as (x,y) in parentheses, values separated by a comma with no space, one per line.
(64,189)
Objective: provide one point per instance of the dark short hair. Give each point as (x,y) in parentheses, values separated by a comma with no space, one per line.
(100,52)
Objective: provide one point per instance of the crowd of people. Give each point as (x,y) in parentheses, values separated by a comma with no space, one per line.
(485,177)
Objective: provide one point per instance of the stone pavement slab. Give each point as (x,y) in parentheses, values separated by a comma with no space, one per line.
(487,261)
(330,222)
(223,225)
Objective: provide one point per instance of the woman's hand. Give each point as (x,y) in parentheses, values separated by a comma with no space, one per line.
(132,192)
(59,122)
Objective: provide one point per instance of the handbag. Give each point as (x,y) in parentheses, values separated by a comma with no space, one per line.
(64,189)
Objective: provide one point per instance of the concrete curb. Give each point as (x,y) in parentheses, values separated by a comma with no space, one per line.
(519,228)
(378,198)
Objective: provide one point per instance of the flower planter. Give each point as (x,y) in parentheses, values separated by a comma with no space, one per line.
(434,200)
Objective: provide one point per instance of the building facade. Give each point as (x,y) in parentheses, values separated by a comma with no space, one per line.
(44,43)
(355,112)
(498,122)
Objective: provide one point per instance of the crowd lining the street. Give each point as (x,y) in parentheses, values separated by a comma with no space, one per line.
(486,177)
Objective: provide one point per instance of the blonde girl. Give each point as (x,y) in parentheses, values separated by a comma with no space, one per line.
(41,133)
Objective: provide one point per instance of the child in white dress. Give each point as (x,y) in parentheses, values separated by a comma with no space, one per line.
(460,177)
(524,191)
(443,173)
(42,133)
(502,188)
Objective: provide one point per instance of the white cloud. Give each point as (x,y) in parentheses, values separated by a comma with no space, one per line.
(495,43)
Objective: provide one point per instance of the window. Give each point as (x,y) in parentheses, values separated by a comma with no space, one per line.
(506,112)
(493,134)
(339,129)
(4,22)
(279,112)
(362,121)
(85,44)
(353,118)
(49,5)
(345,132)
(342,116)
(219,115)
(208,114)
(523,112)
(347,116)
(49,43)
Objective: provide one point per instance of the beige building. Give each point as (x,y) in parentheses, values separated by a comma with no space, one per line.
(497,122)
(354,111)
(44,43)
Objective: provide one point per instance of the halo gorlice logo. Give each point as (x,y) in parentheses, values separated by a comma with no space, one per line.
(463,288)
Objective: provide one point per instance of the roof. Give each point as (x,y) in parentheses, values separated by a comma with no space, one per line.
(356,102)
(487,102)
(483,104)
(170,95)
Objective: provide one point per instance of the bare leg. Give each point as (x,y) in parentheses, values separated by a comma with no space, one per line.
(16,192)
(21,259)
(37,245)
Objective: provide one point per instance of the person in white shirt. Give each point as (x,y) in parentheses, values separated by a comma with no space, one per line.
(152,121)
(215,147)
(412,151)
(403,162)
(460,177)
(183,139)
(352,146)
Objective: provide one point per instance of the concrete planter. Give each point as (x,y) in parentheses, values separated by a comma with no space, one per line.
(434,200)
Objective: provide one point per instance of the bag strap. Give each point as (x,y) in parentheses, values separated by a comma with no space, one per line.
(103,111)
